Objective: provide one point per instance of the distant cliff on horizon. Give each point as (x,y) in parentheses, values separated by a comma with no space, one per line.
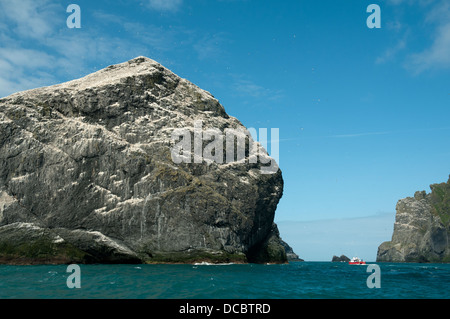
(421,229)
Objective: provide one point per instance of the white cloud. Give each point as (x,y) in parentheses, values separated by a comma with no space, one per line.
(388,132)
(410,2)
(165,5)
(36,47)
(440,13)
(359,134)
(435,57)
(26,58)
(394,25)
(244,87)
(209,46)
(390,53)
(21,81)
(249,88)
(63,53)
(30,19)
(23,26)
(435,54)
(22,69)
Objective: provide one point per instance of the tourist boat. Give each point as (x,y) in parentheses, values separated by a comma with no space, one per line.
(356,261)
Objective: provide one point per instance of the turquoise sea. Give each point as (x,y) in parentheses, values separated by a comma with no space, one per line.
(305,280)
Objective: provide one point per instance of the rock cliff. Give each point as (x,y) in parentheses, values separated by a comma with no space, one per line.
(290,254)
(87,174)
(421,229)
(342,258)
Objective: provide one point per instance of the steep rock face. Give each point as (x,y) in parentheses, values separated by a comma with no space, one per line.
(290,254)
(87,165)
(421,229)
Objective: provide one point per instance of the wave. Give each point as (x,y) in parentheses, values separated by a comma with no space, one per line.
(204,263)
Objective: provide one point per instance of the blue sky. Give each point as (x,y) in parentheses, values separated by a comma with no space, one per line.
(363,114)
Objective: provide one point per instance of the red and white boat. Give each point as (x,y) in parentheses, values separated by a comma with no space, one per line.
(356,261)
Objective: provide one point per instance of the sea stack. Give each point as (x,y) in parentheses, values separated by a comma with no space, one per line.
(87,175)
(342,258)
(421,229)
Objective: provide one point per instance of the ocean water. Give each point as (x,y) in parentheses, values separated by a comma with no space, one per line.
(305,280)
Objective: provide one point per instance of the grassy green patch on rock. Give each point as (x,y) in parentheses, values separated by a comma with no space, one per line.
(40,251)
(440,201)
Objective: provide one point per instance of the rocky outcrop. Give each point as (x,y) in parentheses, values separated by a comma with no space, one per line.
(26,243)
(290,254)
(421,229)
(87,171)
(342,258)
